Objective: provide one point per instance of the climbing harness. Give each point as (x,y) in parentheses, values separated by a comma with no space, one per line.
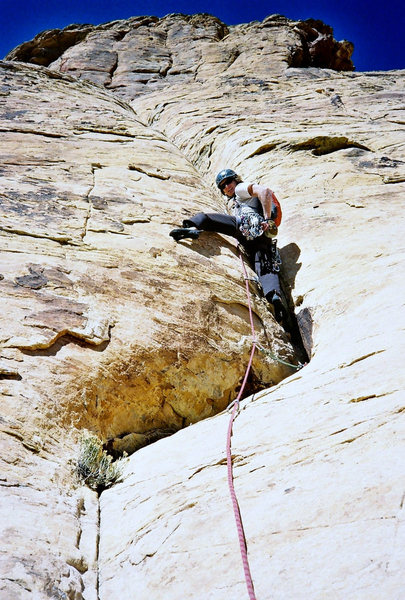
(235,409)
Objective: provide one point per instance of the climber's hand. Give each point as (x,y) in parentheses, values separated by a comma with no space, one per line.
(269,227)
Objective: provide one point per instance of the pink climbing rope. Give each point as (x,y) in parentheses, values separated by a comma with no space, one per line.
(236,510)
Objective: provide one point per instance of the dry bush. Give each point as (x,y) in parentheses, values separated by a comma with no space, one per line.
(94,466)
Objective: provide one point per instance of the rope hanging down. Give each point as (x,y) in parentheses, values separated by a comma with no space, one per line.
(235,505)
(235,408)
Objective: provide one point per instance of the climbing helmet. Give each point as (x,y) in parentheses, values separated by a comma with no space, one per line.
(224,175)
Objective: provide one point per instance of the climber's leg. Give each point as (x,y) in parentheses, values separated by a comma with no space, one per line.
(215,222)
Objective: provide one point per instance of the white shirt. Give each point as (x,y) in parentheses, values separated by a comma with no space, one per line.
(241,195)
(241,190)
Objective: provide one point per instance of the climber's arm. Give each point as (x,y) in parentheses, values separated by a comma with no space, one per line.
(265,196)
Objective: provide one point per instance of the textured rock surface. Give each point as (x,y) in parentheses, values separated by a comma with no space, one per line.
(86,211)
(144,53)
(108,325)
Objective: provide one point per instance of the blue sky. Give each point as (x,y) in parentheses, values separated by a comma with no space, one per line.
(377,28)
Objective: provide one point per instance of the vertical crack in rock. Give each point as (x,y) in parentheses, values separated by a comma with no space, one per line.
(235,53)
(113,69)
(85,558)
(87,217)
(97,556)
(203,160)
(163,71)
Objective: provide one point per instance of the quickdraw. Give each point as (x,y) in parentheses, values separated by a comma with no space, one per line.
(275,258)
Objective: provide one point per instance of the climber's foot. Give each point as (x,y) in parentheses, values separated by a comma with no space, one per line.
(185,232)
(279,311)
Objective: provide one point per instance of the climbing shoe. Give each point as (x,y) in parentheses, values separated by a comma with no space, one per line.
(279,312)
(185,232)
(279,308)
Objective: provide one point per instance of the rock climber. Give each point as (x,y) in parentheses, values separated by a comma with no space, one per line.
(256,216)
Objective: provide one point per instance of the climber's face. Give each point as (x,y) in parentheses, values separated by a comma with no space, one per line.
(228,187)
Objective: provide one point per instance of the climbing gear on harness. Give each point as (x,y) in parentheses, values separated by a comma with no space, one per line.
(185,232)
(270,259)
(275,257)
(225,174)
(250,222)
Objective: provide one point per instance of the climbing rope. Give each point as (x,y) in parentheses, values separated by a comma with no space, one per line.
(235,409)
(235,505)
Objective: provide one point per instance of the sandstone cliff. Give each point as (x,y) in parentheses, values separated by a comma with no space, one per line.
(110,135)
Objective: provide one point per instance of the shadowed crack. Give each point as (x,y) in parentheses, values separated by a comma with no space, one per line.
(360,358)
(60,239)
(324,144)
(114,66)
(156,550)
(60,339)
(13,375)
(130,442)
(157,174)
(35,132)
(262,150)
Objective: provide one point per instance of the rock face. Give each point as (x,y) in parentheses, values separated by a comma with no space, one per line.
(109,325)
(144,53)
